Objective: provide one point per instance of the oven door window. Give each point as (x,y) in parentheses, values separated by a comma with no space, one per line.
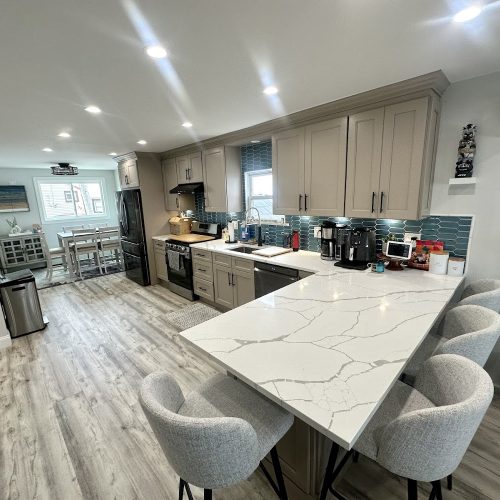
(181,274)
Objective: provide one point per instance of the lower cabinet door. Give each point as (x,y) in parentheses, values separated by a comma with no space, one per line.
(223,286)
(244,287)
(161,265)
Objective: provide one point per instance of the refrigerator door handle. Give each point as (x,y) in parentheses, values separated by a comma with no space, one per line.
(124,217)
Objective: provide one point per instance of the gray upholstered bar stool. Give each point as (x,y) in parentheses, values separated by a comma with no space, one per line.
(421,433)
(484,293)
(470,331)
(217,435)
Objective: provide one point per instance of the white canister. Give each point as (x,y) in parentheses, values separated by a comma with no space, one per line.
(438,262)
(456,266)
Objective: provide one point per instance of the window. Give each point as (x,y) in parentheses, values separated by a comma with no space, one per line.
(62,200)
(259,193)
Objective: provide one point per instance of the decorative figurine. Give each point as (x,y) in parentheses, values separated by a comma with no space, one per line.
(466,152)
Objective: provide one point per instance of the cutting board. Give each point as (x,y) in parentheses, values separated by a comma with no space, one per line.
(271,251)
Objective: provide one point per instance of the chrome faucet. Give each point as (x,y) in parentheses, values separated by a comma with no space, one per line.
(259,228)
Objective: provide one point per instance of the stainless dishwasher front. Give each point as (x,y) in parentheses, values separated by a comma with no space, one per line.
(269,278)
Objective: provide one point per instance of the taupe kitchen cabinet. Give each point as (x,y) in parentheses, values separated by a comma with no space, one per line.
(390,160)
(174,202)
(222,179)
(189,168)
(128,174)
(309,169)
(233,280)
(203,274)
(160,260)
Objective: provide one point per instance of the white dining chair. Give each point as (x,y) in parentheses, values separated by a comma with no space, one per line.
(70,229)
(50,255)
(110,246)
(85,242)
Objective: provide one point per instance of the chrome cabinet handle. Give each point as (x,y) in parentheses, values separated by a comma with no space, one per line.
(305,202)
(229,279)
(373,201)
(232,280)
(300,202)
(381,201)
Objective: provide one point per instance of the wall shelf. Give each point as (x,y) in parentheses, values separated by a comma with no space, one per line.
(463,181)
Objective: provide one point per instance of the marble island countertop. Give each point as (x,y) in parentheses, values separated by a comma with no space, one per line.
(329,347)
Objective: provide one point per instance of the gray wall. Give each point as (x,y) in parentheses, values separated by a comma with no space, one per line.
(22,176)
(473,101)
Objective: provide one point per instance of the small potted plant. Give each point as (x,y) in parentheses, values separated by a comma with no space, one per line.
(14,227)
(389,237)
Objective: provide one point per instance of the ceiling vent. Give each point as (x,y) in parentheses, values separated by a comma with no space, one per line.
(64,169)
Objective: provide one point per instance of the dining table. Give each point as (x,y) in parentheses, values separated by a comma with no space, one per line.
(65,239)
(328,348)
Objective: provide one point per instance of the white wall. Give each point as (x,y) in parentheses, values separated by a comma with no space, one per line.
(25,177)
(473,101)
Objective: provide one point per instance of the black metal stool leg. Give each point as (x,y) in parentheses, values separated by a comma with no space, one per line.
(329,471)
(181,489)
(412,489)
(279,475)
(449,482)
(207,495)
(436,491)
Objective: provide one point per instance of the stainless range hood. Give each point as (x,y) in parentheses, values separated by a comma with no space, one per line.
(189,188)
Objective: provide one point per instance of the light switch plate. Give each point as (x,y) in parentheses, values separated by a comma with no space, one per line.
(317,231)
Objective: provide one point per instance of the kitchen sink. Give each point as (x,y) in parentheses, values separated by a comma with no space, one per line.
(243,249)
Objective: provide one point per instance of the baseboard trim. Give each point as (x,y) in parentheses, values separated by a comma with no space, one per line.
(5,342)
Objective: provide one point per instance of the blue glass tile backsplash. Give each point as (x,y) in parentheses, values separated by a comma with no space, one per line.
(454,231)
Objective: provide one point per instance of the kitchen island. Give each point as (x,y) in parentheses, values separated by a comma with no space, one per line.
(327,348)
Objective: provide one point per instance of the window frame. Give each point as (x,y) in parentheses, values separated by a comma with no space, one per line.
(38,181)
(249,197)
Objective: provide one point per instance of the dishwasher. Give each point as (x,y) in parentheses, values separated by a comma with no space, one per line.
(269,278)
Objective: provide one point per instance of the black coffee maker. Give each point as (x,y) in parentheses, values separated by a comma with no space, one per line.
(327,230)
(359,249)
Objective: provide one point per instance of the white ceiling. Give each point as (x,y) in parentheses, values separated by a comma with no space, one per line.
(57,56)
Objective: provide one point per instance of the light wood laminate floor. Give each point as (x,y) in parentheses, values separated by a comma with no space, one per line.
(71,426)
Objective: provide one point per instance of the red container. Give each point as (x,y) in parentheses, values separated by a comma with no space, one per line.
(295,241)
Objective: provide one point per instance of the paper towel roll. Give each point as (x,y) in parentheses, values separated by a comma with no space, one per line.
(438,262)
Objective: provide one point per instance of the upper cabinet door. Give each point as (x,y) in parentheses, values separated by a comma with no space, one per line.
(402,159)
(195,172)
(133,174)
(288,172)
(182,163)
(325,167)
(169,170)
(123,175)
(363,163)
(215,180)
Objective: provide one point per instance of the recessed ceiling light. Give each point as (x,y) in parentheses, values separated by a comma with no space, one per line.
(112,153)
(187,124)
(156,52)
(271,90)
(47,150)
(64,135)
(93,109)
(142,142)
(467,14)
(255,142)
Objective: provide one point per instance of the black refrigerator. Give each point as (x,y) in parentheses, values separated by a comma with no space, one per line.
(133,237)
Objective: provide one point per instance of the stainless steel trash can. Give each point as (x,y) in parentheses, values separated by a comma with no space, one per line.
(20,303)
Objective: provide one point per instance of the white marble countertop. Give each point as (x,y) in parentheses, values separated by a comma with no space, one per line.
(329,347)
(302,260)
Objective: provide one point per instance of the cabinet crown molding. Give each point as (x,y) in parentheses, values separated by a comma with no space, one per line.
(431,83)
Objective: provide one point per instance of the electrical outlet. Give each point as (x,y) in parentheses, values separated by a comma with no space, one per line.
(408,236)
(317,231)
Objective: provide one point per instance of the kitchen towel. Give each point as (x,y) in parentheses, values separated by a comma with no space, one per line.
(175,260)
